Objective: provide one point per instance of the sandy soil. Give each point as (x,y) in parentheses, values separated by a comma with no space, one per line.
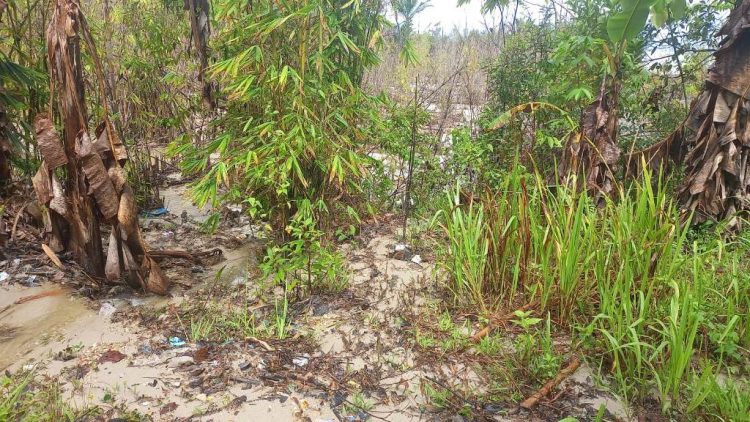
(360,341)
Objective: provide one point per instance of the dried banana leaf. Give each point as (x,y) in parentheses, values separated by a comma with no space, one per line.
(48,142)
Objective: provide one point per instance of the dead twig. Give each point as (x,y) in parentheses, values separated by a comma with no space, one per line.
(37,296)
(15,221)
(561,376)
(265,345)
(476,338)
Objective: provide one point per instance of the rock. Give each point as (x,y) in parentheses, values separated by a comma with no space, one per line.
(179,361)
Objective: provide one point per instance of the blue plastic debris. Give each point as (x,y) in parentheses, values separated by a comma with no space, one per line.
(156,213)
(176,342)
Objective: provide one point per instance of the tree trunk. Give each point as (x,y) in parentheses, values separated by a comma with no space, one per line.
(64,50)
(591,155)
(714,141)
(198,11)
(96,190)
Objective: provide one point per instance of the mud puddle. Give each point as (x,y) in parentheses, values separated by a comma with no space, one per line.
(25,327)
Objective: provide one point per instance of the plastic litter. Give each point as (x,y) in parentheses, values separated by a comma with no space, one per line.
(107,310)
(416,259)
(176,342)
(156,212)
(301,361)
(31,281)
(400,247)
(4,276)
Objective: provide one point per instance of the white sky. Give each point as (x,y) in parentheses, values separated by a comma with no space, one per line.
(446,13)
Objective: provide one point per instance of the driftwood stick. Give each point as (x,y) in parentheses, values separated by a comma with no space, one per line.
(564,373)
(190,256)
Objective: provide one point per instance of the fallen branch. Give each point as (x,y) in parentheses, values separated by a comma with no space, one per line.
(190,256)
(52,256)
(15,221)
(37,296)
(265,345)
(561,376)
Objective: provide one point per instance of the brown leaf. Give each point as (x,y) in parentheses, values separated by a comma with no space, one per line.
(200,355)
(103,146)
(156,282)
(112,267)
(52,256)
(168,408)
(43,184)
(112,356)
(127,214)
(48,142)
(100,186)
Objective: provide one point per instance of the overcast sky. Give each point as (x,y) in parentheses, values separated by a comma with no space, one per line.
(446,13)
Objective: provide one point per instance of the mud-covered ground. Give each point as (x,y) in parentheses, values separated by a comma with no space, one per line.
(378,350)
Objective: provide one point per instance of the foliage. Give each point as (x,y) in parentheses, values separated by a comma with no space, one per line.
(292,130)
(641,298)
(24,398)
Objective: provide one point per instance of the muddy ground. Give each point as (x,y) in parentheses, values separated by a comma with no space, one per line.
(349,356)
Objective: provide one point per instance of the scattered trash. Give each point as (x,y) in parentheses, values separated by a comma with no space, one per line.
(176,342)
(134,301)
(28,367)
(31,281)
(146,349)
(235,208)
(111,355)
(107,310)
(402,252)
(168,234)
(68,353)
(244,366)
(416,259)
(4,276)
(301,361)
(197,269)
(156,212)
(239,280)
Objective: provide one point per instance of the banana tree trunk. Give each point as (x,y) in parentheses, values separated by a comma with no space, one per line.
(713,143)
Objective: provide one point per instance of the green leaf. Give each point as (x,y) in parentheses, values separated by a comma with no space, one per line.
(659,13)
(678,8)
(628,24)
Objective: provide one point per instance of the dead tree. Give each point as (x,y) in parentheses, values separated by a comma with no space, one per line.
(200,27)
(591,154)
(95,190)
(713,143)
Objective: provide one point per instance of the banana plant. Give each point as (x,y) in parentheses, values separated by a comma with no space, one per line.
(631,16)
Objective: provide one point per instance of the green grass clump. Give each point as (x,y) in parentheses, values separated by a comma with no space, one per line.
(643,302)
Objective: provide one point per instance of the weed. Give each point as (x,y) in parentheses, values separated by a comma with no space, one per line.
(358,403)
(24,398)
